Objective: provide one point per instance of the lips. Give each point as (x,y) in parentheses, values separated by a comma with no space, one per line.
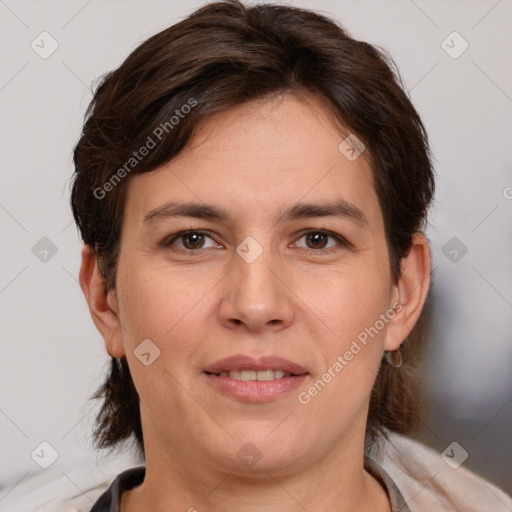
(242,362)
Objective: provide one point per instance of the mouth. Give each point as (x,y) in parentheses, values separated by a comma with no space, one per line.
(250,375)
(246,368)
(253,379)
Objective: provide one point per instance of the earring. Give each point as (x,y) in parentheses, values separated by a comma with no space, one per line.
(394,358)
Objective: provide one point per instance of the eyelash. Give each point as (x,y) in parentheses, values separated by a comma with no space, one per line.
(343,241)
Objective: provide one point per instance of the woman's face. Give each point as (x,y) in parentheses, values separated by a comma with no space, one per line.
(268,277)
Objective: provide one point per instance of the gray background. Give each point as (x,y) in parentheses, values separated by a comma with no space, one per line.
(52,356)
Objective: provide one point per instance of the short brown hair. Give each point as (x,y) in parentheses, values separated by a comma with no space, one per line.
(223,55)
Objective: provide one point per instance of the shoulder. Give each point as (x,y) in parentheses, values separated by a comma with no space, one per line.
(428,481)
(68,487)
(104,496)
(109,501)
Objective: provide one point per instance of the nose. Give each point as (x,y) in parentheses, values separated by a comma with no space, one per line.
(255,295)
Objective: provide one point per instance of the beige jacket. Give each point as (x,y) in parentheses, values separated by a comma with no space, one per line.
(428,482)
(431,482)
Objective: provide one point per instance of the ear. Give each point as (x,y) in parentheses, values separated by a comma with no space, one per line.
(410,292)
(102,303)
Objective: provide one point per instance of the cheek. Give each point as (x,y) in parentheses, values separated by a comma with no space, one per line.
(351,307)
(160,306)
(348,302)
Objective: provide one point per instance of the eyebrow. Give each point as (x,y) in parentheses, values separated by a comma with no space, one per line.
(339,208)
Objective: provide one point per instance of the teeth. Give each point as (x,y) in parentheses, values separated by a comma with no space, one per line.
(248,375)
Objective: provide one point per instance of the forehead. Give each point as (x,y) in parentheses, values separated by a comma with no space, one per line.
(257,158)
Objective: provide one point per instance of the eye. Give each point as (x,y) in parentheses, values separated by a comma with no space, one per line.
(190,240)
(318,240)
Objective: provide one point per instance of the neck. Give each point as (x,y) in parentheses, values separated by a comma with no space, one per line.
(177,481)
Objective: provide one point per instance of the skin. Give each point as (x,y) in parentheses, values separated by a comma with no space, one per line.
(296,300)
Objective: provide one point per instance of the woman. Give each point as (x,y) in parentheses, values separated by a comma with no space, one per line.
(251,187)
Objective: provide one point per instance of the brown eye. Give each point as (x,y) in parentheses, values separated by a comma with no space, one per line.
(193,240)
(318,241)
(190,240)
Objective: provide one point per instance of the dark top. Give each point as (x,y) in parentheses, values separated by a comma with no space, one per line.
(109,501)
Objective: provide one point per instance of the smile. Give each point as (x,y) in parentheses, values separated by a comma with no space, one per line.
(246,385)
(261,375)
